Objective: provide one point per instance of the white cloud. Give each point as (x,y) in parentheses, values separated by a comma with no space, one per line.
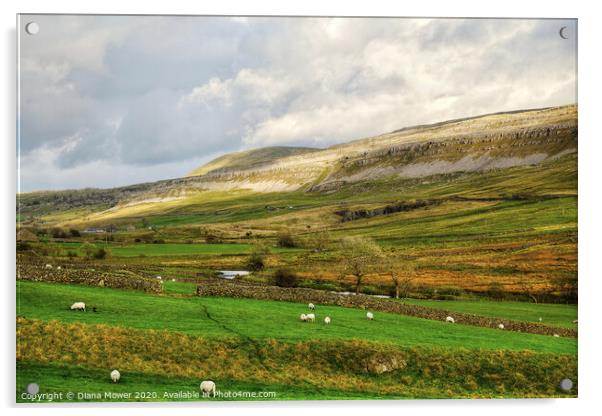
(143,92)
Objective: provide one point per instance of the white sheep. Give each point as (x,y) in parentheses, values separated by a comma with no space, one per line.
(58,267)
(49,266)
(311,307)
(575,321)
(173,280)
(540,319)
(78,306)
(115,376)
(450,320)
(310,317)
(557,336)
(159,278)
(369,316)
(303,317)
(208,387)
(501,326)
(327,320)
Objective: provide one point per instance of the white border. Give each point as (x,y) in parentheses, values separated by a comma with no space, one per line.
(590,152)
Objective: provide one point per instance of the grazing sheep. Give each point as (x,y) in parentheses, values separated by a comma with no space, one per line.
(450,320)
(115,376)
(540,319)
(369,316)
(58,267)
(49,266)
(501,326)
(557,336)
(310,317)
(327,320)
(173,280)
(159,278)
(208,387)
(311,307)
(303,317)
(78,306)
(575,321)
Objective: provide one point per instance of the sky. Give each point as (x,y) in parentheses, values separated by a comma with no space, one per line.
(108,101)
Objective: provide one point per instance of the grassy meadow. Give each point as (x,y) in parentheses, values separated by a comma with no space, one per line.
(500,244)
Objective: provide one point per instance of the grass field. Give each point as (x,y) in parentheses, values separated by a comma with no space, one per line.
(174,249)
(247,318)
(551,314)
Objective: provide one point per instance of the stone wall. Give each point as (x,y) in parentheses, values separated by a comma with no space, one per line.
(120,279)
(321,297)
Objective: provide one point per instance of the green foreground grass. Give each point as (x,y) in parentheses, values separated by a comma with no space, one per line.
(561,315)
(247,318)
(142,387)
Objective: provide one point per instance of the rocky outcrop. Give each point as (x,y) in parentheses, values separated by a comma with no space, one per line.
(350,215)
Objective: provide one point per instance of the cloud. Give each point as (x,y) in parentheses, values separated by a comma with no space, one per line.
(142,93)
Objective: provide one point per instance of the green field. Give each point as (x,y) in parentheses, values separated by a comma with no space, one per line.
(248,318)
(174,249)
(552,314)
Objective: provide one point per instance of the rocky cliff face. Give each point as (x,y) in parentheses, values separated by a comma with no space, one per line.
(489,142)
(495,141)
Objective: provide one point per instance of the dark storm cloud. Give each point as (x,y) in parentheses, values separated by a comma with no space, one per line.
(148,97)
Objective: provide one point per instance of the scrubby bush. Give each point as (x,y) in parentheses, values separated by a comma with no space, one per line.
(88,250)
(256,262)
(101,254)
(285,278)
(74,232)
(285,239)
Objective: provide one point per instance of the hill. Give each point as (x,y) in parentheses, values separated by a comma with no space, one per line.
(249,159)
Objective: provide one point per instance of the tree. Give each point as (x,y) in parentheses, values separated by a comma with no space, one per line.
(88,249)
(361,255)
(256,261)
(403,277)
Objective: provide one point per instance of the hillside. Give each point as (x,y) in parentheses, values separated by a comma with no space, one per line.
(249,159)
(479,144)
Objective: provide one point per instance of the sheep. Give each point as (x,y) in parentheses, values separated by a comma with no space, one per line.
(48,266)
(115,376)
(369,316)
(58,267)
(450,320)
(207,387)
(575,321)
(159,278)
(173,280)
(310,317)
(556,336)
(540,319)
(78,306)
(327,320)
(311,307)
(501,326)
(303,317)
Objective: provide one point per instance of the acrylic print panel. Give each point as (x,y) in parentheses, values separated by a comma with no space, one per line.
(295,208)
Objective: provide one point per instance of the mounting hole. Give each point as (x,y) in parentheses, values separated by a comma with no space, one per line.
(32,28)
(33,388)
(566,384)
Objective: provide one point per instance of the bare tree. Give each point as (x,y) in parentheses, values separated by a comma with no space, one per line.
(403,277)
(362,255)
